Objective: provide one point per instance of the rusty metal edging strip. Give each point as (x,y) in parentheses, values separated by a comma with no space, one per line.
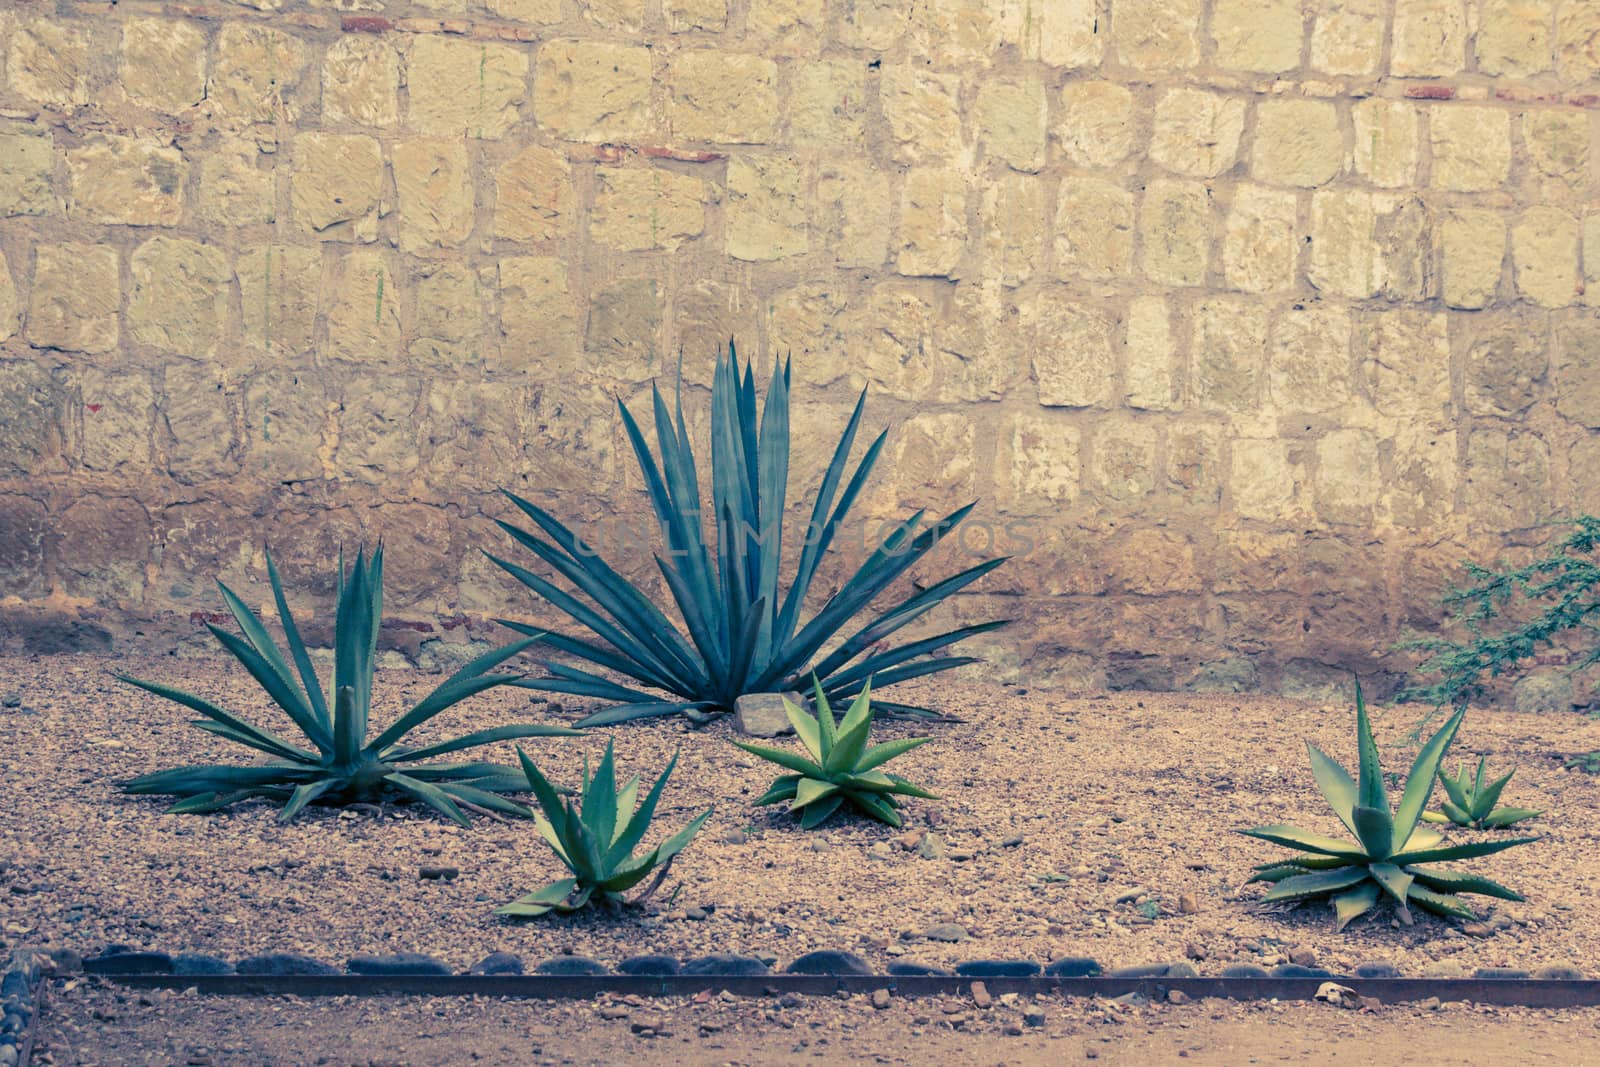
(1532,993)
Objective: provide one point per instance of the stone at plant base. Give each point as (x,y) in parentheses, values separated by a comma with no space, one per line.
(1073,967)
(829,961)
(497,963)
(949,933)
(1545,691)
(762,714)
(1155,970)
(649,965)
(399,963)
(275,963)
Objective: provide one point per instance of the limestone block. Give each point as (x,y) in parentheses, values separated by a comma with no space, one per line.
(1591,259)
(235,189)
(980,352)
(1347,36)
(1386,141)
(1122,460)
(723,97)
(1473,249)
(766,208)
(787,27)
(1344,254)
(361,82)
(1545,251)
(637,209)
(1094,229)
(197,410)
(625,16)
(9,308)
(1149,355)
(1407,364)
(279,286)
(336,184)
(622,338)
(877,25)
(32,402)
(592,90)
(1097,125)
(104,550)
(1405,240)
(48,62)
(1264,480)
(933,221)
(1158,34)
(126,180)
(115,419)
(1471,147)
(684,16)
(77,291)
(1195,464)
(540,11)
(1506,479)
(256,73)
(1257,35)
(855,212)
(886,343)
(934,462)
(1298,142)
(1506,363)
(1577,371)
(923,113)
(705,314)
(1260,243)
(448,329)
(377,431)
(1577,41)
(473,437)
(1197,132)
(533,196)
(1309,363)
(25,530)
(1176,223)
(805,321)
(1430,38)
(286,415)
(1228,356)
(1010,122)
(467,87)
(180,297)
(1558,144)
(25,163)
(1514,37)
(1037,464)
(433,183)
(363,310)
(1347,477)
(163,64)
(1070,340)
(826,103)
(538,316)
(1015,224)
(1066,34)
(1421,487)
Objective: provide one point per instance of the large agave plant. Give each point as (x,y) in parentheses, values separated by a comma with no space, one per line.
(1392,855)
(744,630)
(341,765)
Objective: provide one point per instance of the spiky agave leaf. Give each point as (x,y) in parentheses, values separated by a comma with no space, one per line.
(339,764)
(1392,854)
(741,632)
(842,768)
(1471,800)
(595,837)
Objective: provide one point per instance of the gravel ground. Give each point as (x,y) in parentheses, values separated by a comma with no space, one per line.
(1123,805)
(89,1026)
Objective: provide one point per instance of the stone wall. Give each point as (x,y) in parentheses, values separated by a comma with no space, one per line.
(1246,319)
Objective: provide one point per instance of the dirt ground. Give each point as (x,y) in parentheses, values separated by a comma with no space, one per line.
(91,1026)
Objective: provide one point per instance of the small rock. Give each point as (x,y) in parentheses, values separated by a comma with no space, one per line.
(911,839)
(1445,969)
(1188,904)
(790,1000)
(1073,967)
(724,964)
(763,714)
(880,851)
(1302,956)
(1429,1004)
(697,914)
(1193,951)
(949,933)
(997,969)
(931,847)
(129,963)
(880,999)
(1155,970)
(399,963)
(960,855)
(1013,841)
(819,844)
(613,1011)
(1507,974)
(1299,970)
(1376,969)
(1128,896)
(198,963)
(67,961)
(1034,1019)
(1557,972)
(278,963)
(1177,996)
(980,994)
(1477,929)
(497,963)
(829,961)
(11,700)
(571,966)
(912,969)
(1244,970)
(434,874)
(735,837)
(649,965)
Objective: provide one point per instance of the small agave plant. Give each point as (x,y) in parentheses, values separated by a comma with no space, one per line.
(1471,800)
(1392,855)
(841,769)
(341,765)
(596,839)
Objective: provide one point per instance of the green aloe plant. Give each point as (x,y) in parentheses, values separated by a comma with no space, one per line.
(341,765)
(744,630)
(841,769)
(1392,855)
(596,840)
(1471,800)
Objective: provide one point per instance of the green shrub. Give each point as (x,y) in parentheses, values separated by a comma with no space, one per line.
(744,631)
(596,840)
(1470,800)
(342,765)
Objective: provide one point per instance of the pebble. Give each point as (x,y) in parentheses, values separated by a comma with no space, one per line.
(997,969)
(1193,951)
(697,914)
(1073,967)
(1376,969)
(399,963)
(829,961)
(199,963)
(614,1011)
(980,994)
(879,851)
(1244,970)
(497,963)
(911,969)
(1300,970)
(880,999)
(649,965)
(735,837)
(949,933)
(911,839)
(1034,1019)
(1177,996)
(1188,904)
(1302,956)
(724,964)
(277,963)
(435,874)
(572,966)
(1155,970)
(931,847)
(1012,842)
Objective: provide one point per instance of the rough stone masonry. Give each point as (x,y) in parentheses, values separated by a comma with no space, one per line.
(1245,319)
